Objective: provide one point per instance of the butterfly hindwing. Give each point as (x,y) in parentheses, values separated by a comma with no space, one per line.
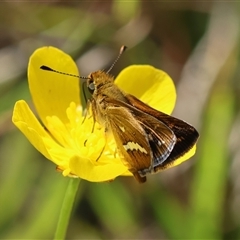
(186,135)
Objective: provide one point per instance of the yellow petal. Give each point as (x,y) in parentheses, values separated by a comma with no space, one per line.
(96,173)
(25,120)
(150,85)
(185,157)
(52,92)
(178,161)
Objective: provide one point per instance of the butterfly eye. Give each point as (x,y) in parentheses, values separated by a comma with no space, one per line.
(91,86)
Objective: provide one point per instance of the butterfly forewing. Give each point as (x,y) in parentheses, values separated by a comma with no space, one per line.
(130,138)
(131,126)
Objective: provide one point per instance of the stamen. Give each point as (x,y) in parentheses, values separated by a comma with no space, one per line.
(78,139)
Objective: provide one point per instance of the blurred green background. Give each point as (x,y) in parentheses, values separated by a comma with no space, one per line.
(197,44)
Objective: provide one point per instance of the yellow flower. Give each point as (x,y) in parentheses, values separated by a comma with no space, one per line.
(63,136)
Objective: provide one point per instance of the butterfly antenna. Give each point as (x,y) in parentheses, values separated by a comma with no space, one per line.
(46,68)
(122,50)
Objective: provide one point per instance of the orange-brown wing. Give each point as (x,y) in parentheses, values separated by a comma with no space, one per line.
(144,141)
(130,138)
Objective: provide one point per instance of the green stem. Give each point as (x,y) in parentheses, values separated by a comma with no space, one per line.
(66,209)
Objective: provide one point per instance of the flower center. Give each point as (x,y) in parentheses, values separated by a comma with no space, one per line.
(81,137)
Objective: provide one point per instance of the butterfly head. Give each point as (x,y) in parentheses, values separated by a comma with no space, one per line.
(98,81)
